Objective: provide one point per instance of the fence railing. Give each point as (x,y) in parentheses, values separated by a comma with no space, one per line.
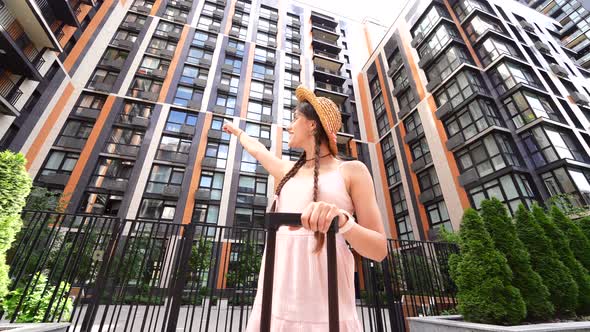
(105,274)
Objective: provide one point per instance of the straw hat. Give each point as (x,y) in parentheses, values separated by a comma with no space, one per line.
(327,111)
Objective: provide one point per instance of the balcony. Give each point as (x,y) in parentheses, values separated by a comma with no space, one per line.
(19,55)
(9,96)
(172,156)
(111,184)
(186,5)
(334,92)
(134,26)
(327,60)
(324,20)
(120,149)
(63,11)
(126,44)
(322,42)
(86,112)
(133,120)
(60,179)
(329,76)
(71,142)
(204,194)
(171,191)
(36,28)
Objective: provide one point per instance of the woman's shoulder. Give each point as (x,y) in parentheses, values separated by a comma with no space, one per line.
(353,171)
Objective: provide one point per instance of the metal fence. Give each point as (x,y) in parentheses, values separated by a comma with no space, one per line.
(107,274)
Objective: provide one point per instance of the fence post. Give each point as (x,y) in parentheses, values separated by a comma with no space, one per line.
(394,308)
(102,276)
(182,269)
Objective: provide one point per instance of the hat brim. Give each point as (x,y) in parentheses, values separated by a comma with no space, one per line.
(304,94)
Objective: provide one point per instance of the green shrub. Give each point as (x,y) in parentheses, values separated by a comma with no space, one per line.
(545,261)
(37,301)
(483,278)
(584,224)
(579,243)
(500,227)
(15,185)
(562,246)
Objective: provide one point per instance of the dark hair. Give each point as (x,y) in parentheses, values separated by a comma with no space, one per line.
(309,112)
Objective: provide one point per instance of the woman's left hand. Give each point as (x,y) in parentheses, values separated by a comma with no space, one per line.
(317,216)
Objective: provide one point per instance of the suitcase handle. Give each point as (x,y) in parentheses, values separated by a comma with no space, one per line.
(272,222)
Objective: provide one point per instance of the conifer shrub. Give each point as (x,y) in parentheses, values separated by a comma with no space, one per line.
(584,224)
(579,243)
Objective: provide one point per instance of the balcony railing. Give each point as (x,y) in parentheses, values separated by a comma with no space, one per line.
(323,26)
(9,91)
(330,87)
(326,54)
(329,71)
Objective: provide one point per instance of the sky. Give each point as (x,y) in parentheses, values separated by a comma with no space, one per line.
(383,10)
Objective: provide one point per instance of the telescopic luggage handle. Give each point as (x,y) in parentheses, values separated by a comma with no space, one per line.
(272,222)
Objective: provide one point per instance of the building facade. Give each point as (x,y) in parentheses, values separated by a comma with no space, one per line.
(574,17)
(471,99)
(124,118)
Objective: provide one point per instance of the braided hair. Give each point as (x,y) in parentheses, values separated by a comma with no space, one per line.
(320,135)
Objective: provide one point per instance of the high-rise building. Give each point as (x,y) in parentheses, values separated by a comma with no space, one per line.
(574,32)
(124,115)
(466,100)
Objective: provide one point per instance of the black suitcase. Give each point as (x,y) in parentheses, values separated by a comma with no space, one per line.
(272,222)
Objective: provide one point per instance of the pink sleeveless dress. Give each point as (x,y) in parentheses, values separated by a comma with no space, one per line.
(300,288)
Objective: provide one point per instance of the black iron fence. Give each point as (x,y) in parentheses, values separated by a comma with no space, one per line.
(106,274)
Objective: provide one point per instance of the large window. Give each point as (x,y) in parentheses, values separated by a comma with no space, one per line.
(461,87)
(506,75)
(406,100)
(226,101)
(546,145)
(157,209)
(250,188)
(489,155)
(234,63)
(206,213)
(438,216)
(259,70)
(479,25)
(103,204)
(213,182)
(190,74)
(173,149)
(492,48)
(188,96)
(472,119)
(196,54)
(524,107)
(232,81)
(428,181)
(248,217)
(444,33)
(387,147)
(74,133)
(429,20)
(59,162)
(124,141)
(218,151)
(464,7)
(163,176)
(400,212)
(420,151)
(383,124)
(512,189)
(574,182)
(413,124)
(257,109)
(109,172)
(177,119)
(446,64)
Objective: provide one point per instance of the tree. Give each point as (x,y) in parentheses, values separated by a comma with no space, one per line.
(545,261)
(562,246)
(500,227)
(584,224)
(579,243)
(247,266)
(483,277)
(15,185)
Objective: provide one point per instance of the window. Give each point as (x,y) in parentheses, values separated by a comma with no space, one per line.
(574,182)
(212,181)
(121,35)
(438,216)
(190,74)
(506,75)
(205,22)
(398,199)
(239,31)
(174,14)
(413,124)
(149,64)
(188,96)
(115,55)
(524,107)
(238,45)
(201,37)
(157,209)
(109,172)
(291,62)
(195,54)
(59,162)
(266,39)
(247,217)
(134,18)
(124,141)
(393,173)
(446,64)
(383,125)
(474,118)
(512,189)
(218,151)
(443,34)
(226,101)
(400,80)
(479,25)
(133,110)
(428,181)
(266,25)
(173,149)
(291,77)
(74,134)
(206,213)
(217,124)
(232,81)
(546,145)
(465,7)
(258,90)
(141,85)
(375,87)
(429,20)
(257,130)
(164,28)
(489,155)
(461,87)
(248,163)
(404,228)
(157,45)
(406,100)
(257,109)
(259,71)
(235,63)
(395,59)
(387,147)
(103,79)
(492,48)
(103,204)
(420,151)
(89,101)
(250,188)
(163,176)
(177,119)
(379,104)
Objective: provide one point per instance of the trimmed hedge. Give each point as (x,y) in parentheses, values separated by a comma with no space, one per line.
(503,232)
(483,278)
(15,185)
(544,260)
(562,245)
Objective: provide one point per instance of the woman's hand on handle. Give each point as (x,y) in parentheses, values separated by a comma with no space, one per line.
(318,216)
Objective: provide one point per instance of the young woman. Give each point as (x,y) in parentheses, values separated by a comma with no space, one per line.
(320,187)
